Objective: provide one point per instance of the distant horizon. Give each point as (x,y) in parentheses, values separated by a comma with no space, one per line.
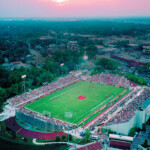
(86,17)
(74,8)
(80,17)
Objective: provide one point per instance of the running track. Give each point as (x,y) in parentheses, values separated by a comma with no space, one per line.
(11,123)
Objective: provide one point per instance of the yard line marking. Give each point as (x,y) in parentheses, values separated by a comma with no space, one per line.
(101,103)
(80,117)
(52,98)
(61,94)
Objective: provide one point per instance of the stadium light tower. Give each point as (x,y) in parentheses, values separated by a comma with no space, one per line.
(61,65)
(68,115)
(85,57)
(24,85)
(139,98)
(138,110)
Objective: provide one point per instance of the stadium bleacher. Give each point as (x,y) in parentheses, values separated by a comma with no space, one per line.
(129,110)
(120,144)
(111,79)
(41,121)
(33,95)
(95,146)
(42,91)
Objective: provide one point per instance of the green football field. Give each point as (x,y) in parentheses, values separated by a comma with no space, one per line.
(66,100)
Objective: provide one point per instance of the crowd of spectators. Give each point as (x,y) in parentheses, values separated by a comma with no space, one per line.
(99,121)
(104,118)
(111,79)
(35,94)
(126,113)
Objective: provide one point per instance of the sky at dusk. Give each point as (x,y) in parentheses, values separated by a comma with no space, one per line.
(74,8)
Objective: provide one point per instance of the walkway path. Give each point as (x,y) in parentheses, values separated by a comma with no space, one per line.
(44,143)
(71,144)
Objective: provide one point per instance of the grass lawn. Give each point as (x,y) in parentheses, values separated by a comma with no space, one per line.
(66,100)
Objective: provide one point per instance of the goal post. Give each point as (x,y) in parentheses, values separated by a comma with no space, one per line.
(47,113)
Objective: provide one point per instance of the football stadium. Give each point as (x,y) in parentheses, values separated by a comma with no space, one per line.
(78,101)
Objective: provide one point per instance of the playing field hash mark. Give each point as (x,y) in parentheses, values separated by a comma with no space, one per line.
(54,99)
(81,97)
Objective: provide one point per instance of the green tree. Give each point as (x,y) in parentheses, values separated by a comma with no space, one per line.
(1,58)
(3,126)
(91,51)
(145,144)
(122,43)
(25,139)
(28,83)
(64,70)
(52,66)
(4,74)
(145,68)
(3,95)
(95,72)
(14,77)
(136,79)
(106,63)
(110,131)
(144,126)
(70,137)
(87,134)
(14,89)
(46,76)
(63,136)
(14,135)
(132,131)
(57,138)
(21,51)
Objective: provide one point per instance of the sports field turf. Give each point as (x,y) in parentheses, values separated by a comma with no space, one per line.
(66,100)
